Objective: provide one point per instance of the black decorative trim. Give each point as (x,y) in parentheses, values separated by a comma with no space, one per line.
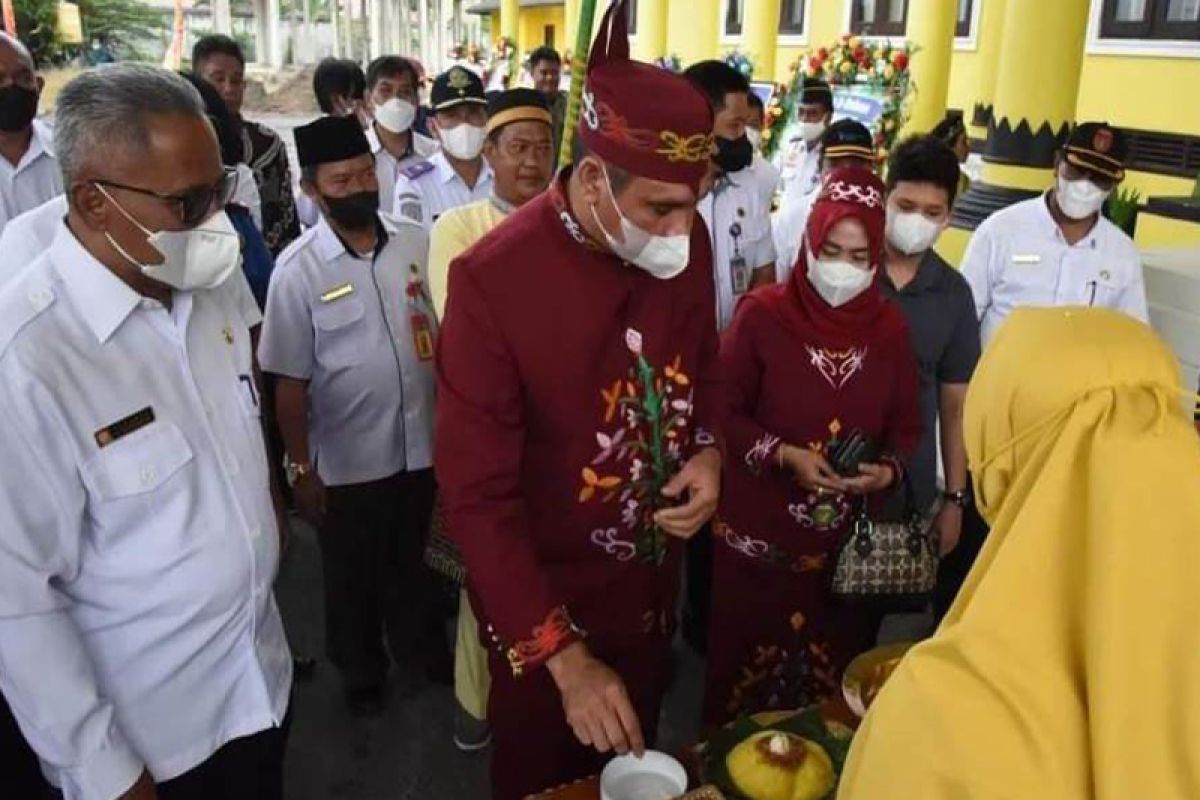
(982,200)
(1163,152)
(981,116)
(1181,208)
(1020,146)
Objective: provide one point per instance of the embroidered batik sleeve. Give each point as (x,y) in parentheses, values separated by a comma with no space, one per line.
(749,444)
(480,443)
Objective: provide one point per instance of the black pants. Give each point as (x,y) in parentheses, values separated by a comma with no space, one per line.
(20,775)
(377,585)
(250,768)
(955,567)
(698,579)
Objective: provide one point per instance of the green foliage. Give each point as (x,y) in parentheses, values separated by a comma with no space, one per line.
(1123,207)
(37,22)
(122,24)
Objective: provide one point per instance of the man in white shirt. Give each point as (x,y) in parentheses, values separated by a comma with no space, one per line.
(800,167)
(29,175)
(458,173)
(737,211)
(349,338)
(1057,249)
(392,100)
(138,539)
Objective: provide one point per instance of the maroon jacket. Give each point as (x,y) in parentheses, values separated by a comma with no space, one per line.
(553,434)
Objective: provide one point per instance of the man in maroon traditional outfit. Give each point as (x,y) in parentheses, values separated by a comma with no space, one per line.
(578,397)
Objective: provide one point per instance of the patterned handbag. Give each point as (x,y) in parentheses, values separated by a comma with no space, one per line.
(888,565)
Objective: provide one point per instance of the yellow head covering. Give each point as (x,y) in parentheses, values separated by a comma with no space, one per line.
(1069,666)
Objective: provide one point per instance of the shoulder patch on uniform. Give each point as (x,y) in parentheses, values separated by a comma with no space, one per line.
(23,301)
(414,171)
(409,207)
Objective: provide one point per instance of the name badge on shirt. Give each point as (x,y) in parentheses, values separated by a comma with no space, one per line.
(123,427)
(1033,258)
(337,293)
(422,336)
(739,272)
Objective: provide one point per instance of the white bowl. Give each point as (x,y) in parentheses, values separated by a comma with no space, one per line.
(654,776)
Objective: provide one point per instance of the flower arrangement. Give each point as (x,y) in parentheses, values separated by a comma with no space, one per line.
(850,61)
(741,62)
(671,63)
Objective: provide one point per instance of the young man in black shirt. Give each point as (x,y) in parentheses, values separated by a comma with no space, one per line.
(923,178)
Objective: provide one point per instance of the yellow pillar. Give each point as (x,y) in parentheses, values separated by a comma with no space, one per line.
(931,26)
(692,29)
(571,22)
(510,20)
(989,40)
(651,40)
(760,34)
(1037,84)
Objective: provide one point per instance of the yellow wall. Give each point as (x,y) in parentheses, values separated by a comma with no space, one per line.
(964,82)
(1148,93)
(532,25)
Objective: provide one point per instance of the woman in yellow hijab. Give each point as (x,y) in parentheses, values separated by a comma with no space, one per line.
(1069,665)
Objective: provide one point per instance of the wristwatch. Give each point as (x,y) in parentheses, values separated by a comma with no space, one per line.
(294,471)
(959,498)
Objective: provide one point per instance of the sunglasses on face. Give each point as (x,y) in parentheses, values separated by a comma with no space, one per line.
(194,205)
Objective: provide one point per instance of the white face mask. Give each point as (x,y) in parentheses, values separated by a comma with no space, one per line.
(1079,199)
(200,258)
(911,232)
(837,281)
(664,257)
(812,131)
(755,137)
(464,142)
(396,115)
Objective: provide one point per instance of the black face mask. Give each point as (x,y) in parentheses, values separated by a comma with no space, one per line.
(18,107)
(353,212)
(733,155)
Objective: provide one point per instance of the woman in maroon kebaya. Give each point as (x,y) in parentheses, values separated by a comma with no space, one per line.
(810,362)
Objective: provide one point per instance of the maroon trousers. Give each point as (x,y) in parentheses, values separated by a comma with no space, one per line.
(534,749)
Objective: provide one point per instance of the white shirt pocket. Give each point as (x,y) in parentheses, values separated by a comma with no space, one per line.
(138,463)
(340,335)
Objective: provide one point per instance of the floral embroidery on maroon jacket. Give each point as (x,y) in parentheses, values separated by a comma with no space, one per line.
(549,638)
(653,412)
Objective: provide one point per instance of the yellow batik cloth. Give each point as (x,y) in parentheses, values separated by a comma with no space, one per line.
(1069,665)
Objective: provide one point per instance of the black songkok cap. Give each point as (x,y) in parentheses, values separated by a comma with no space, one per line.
(330,139)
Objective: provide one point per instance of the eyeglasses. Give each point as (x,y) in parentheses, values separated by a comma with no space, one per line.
(195,205)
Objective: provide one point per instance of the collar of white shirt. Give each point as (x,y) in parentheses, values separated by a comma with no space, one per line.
(1049,226)
(330,246)
(101,298)
(422,146)
(40,146)
(446,173)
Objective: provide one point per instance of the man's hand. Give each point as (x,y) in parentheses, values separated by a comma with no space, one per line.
(871,478)
(811,469)
(948,524)
(596,703)
(309,492)
(700,478)
(142,790)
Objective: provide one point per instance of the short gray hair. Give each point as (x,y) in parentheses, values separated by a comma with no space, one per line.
(109,107)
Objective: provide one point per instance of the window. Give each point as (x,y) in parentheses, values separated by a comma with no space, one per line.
(1151,19)
(879,17)
(733,17)
(965,9)
(791,17)
(632,7)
